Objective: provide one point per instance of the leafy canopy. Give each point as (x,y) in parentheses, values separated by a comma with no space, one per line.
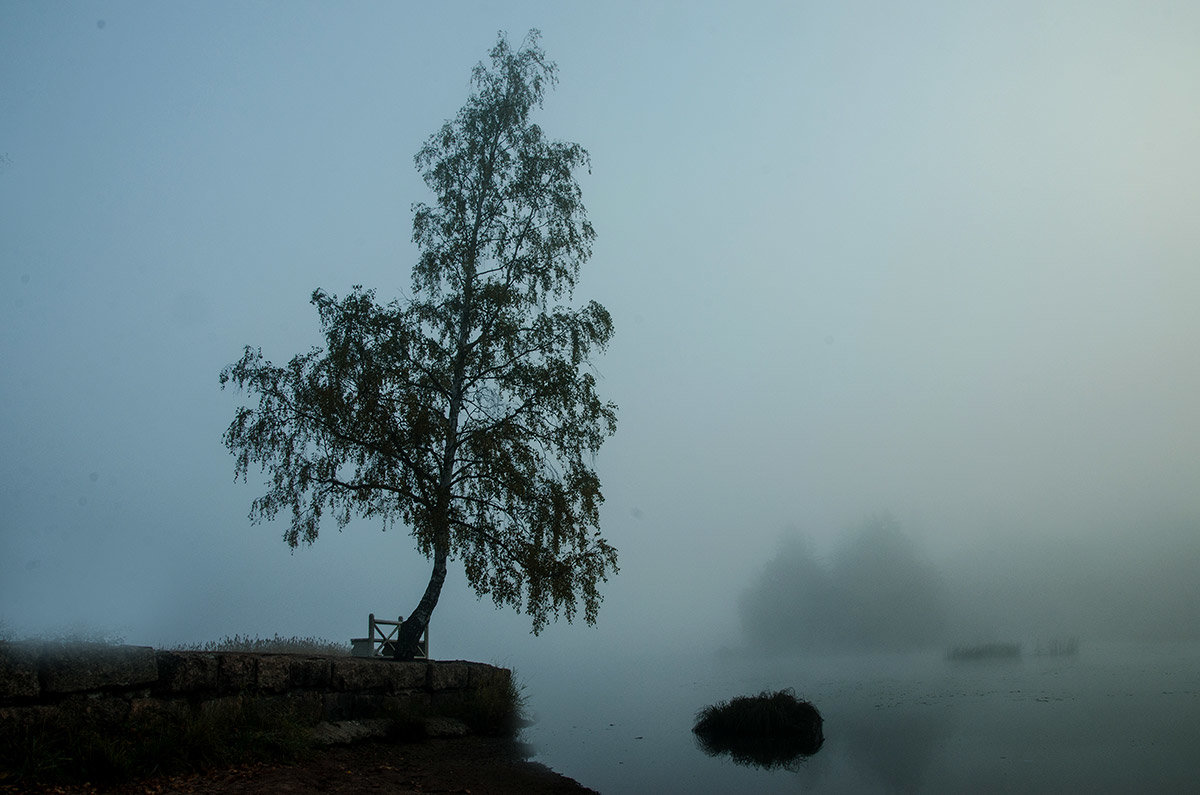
(467,412)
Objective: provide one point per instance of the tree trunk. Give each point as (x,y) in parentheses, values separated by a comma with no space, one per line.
(408,641)
(414,626)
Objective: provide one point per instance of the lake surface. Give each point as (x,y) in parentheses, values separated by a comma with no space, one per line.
(1114,718)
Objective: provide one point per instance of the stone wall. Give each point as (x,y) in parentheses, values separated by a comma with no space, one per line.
(120,683)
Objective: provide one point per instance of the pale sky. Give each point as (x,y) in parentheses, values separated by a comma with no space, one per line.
(938,259)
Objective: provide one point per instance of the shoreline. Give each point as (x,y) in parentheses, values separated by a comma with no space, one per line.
(462,764)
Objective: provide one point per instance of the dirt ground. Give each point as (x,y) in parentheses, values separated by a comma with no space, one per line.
(476,765)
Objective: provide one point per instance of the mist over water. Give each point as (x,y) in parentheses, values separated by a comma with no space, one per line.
(877,590)
(1115,718)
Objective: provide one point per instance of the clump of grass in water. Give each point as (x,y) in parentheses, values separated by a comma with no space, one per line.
(275,645)
(768,730)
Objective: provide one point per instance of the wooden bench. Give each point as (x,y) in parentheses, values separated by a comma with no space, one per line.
(381,642)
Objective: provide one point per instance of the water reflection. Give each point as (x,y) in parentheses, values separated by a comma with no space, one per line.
(768,753)
(894,746)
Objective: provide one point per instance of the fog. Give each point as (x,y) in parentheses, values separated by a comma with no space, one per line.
(934,261)
(875,590)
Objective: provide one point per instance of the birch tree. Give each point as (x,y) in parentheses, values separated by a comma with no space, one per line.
(468,412)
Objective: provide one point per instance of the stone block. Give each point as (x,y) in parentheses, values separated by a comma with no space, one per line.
(449,702)
(417,701)
(307,707)
(274,673)
(344,732)
(15,719)
(369,705)
(447,676)
(300,707)
(357,674)
(311,673)
(444,727)
(187,672)
(407,675)
(482,675)
(155,710)
(221,708)
(236,671)
(103,708)
(336,706)
(19,670)
(72,667)
(278,673)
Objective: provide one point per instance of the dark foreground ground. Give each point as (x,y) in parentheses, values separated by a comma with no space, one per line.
(462,765)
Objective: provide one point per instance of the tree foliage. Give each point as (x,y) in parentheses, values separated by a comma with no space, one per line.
(468,413)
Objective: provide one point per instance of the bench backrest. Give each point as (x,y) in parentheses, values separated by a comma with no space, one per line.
(383,635)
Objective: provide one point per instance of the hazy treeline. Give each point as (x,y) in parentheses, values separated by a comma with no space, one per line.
(874,592)
(877,590)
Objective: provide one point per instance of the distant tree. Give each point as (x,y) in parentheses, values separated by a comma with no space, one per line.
(875,593)
(467,412)
(888,596)
(790,606)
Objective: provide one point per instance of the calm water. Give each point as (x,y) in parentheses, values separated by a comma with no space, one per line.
(1111,719)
